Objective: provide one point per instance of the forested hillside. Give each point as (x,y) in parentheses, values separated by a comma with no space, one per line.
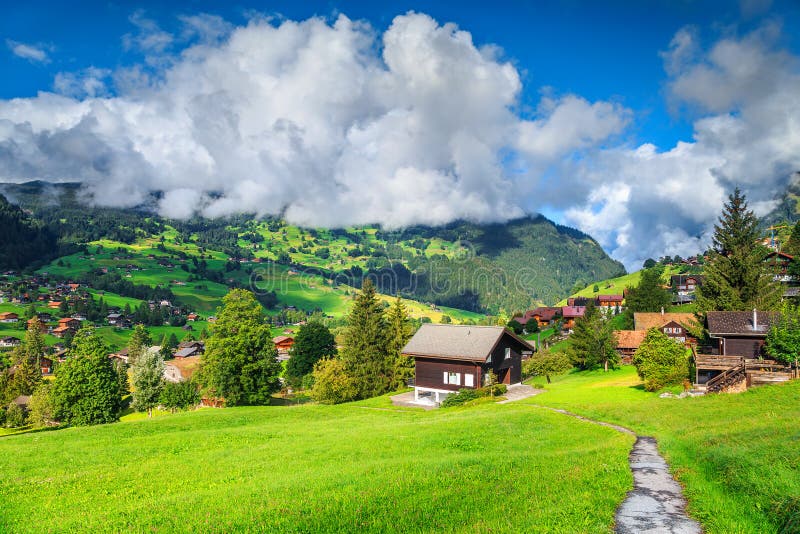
(23,241)
(487,268)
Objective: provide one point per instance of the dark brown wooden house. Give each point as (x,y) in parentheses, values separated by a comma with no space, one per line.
(740,333)
(451,357)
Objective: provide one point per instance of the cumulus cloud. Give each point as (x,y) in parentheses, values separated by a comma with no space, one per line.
(327,123)
(652,202)
(33,53)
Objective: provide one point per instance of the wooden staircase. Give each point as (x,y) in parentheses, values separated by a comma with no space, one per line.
(727,378)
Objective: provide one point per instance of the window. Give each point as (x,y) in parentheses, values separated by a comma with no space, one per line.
(508,353)
(453,379)
(469,380)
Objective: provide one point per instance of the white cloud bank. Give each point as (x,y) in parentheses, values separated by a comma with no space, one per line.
(334,124)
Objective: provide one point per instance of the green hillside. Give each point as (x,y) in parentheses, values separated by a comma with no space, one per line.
(482,268)
(616,286)
(499,468)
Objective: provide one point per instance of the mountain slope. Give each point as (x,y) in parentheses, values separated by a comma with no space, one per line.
(485,268)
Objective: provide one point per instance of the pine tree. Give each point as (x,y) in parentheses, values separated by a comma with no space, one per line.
(399,331)
(165,351)
(792,246)
(34,343)
(592,342)
(364,351)
(147,376)
(736,276)
(647,295)
(139,342)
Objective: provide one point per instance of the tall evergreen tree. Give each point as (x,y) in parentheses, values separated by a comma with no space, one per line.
(34,342)
(364,351)
(647,295)
(240,361)
(313,342)
(399,331)
(736,276)
(592,342)
(792,246)
(139,342)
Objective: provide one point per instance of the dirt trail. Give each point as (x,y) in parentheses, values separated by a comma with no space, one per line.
(656,504)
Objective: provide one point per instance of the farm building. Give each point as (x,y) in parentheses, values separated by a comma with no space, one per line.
(570,313)
(9,341)
(684,284)
(609,301)
(451,357)
(627,343)
(740,333)
(544,316)
(283,344)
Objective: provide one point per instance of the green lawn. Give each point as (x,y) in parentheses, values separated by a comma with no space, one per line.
(738,456)
(498,468)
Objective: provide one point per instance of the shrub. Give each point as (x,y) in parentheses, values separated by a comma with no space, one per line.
(546,364)
(465,395)
(332,383)
(41,406)
(15,416)
(179,396)
(660,361)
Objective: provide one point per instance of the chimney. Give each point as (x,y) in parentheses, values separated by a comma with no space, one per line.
(662,311)
(755,319)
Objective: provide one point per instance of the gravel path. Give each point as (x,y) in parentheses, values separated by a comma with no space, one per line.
(656,504)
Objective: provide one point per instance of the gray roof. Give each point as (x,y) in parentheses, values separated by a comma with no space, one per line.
(740,322)
(457,342)
(186,352)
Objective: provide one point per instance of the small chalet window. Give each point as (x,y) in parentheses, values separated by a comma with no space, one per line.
(469,380)
(508,353)
(453,379)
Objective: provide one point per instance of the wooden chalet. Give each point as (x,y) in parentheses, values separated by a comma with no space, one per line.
(570,314)
(739,360)
(627,343)
(610,301)
(673,325)
(579,301)
(46,365)
(450,357)
(42,325)
(9,317)
(778,264)
(283,343)
(70,322)
(684,284)
(9,341)
(543,315)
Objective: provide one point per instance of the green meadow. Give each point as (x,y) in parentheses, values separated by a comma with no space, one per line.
(738,456)
(498,468)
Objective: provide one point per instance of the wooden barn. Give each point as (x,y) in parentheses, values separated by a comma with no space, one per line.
(451,357)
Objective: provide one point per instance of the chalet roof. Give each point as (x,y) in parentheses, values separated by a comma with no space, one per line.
(281,339)
(777,254)
(573,311)
(682,278)
(547,313)
(186,352)
(740,322)
(648,320)
(630,339)
(612,298)
(457,342)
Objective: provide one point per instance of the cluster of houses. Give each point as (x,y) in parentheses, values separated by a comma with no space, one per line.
(545,316)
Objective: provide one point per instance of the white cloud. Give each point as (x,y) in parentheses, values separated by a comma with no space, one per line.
(329,123)
(744,91)
(33,53)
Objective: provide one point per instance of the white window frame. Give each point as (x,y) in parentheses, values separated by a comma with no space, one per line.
(469,380)
(452,378)
(508,354)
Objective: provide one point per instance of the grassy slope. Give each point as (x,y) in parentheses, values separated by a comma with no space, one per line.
(615,286)
(736,455)
(504,468)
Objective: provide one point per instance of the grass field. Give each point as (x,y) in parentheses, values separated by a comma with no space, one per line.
(498,468)
(738,456)
(615,286)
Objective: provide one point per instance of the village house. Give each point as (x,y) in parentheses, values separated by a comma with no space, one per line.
(42,325)
(9,317)
(450,357)
(9,341)
(121,356)
(608,302)
(283,344)
(46,365)
(580,302)
(543,315)
(684,284)
(778,264)
(627,343)
(189,349)
(673,325)
(570,314)
(739,333)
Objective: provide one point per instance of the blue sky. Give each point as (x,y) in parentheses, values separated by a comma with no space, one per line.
(599,61)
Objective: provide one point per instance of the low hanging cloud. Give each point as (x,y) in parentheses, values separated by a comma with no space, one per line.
(333,124)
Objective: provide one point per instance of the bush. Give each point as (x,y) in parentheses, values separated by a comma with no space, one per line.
(41,406)
(660,361)
(465,395)
(179,396)
(15,416)
(545,363)
(332,383)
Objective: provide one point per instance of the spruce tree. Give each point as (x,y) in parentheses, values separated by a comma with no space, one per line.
(592,342)
(365,354)
(34,342)
(313,342)
(647,295)
(399,331)
(736,276)
(792,246)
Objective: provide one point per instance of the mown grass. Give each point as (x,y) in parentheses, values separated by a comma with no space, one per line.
(499,468)
(738,456)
